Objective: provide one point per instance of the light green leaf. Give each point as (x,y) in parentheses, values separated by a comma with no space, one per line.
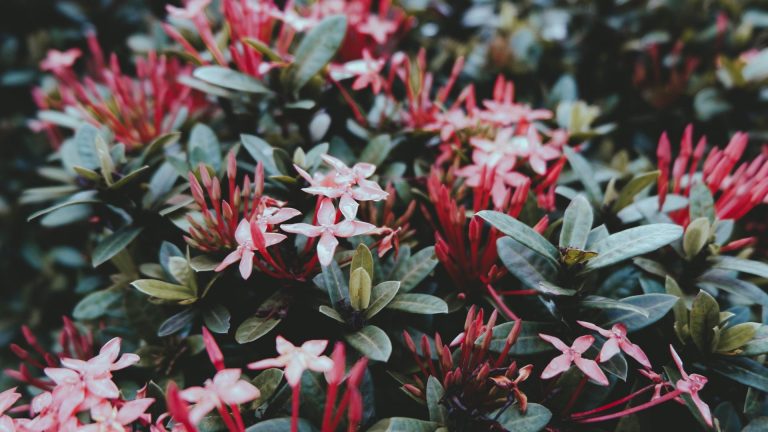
(204,147)
(96,304)
(372,342)
(254,328)
(404,424)
(634,187)
(701,203)
(755,268)
(603,303)
(517,264)
(229,79)
(585,173)
(418,303)
(705,316)
(261,151)
(381,295)
(535,419)
(577,223)
(737,336)
(657,306)
(164,290)
(633,242)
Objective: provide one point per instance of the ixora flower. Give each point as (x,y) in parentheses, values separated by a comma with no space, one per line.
(108,418)
(57,61)
(226,388)
(7,399)
(572,355)
(295,360)
(328,230)
(691,384)
(248,243)
(617,341)
(81,381)
(348,184)
(366,71)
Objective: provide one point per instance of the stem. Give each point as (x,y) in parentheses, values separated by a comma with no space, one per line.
(227,419)
(500,303)
(295,408)
(330,400)
(528,292)
(628,411)
(614,403)
(238,417)
(575,395)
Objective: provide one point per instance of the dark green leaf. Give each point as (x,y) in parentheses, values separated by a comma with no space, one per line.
(657,306)
(633,242)
(701,203)
(176,322)
(585,173)
(381,295)
(217,318)
(535,419)
(634,187)
(435,392)
(96,304)
(418,304)
(113,244)
(229,79)
(403,424)
(282,424)
(705,316)
(414,269)
(316,49)
(254,328)
(164,290)
(742,370)
(577,223)
(520,232)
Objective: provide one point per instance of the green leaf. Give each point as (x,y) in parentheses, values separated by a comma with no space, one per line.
(755,268)
(728,417)
(696,237)
(85,142)
(759,344)
(520,232)
(204,147)
(113,244)
(254,328)
(359,289)
(331,313)
(633,242)
(316,49)
(217,319)
(705,316)
(362,259)
(657,306)
(528,341)
(759,424)
(418,303)
(577,223)
(701,203)
(377,150)
(281,424)
(737,336)
(261,151)
(413,270)
(517,264)
(164,290)
(372,342)
(585,173)
(720,281)
(229,79)
(267,382)
(381,295)
(634,187)
(435,392)
(535,419)
(176,322)
(403,424)
(96,304)
(742,370)
(549,288)
(333,281)
(45,211)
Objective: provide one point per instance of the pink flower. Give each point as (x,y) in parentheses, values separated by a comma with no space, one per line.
(246,245)
(7,399)
(504,111)
(226,388)
(348,184)
(692,384)
(367,70)
(296,360)
(192,10)
(328,230)
(56,61)
(377,28)
(88,381)
(617,341)
(108,418)
(572,355)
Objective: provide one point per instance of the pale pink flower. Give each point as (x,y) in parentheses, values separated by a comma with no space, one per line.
(348,184)
(192,10)
(450,122)
(247,246)
(572,355)
(617,341)
(87,382)
(377,28)
(108,418)
(692,384)
(295,360)
(56,61)
(226,388)
(366,70)
(504,111)
(328,230)
(7,399)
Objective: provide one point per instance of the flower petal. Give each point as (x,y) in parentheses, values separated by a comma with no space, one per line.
(557,366)
(303,229)
(610,349)
(592,370)
(326,247)
(557,343)
(582,343)
(246,264)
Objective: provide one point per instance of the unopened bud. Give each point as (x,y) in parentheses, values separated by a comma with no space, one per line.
(360,289)
(696,237)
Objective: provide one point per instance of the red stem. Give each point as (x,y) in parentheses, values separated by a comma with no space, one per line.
(295,408)
(500,303)
(614,403)
(669,396)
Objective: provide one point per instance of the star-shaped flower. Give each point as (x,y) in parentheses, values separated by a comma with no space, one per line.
(247,245)
(377,28)
(108,418)
(328,230)
(572,355)
(56,61)
(226,388)
(692,384)
(617,341)
(295,360)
